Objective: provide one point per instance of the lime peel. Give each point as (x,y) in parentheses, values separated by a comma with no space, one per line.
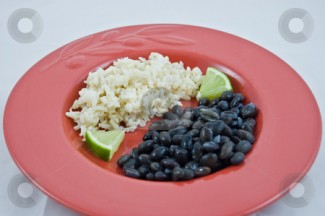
(104,144)
(214,84)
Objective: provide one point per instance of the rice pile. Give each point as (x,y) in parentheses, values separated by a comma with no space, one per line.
(130,92)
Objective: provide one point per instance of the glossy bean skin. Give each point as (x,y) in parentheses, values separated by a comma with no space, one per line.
(186,142)
(209,160)
(122,160)
(133,173)
(159,153)
(245,135)
(227,96)
(249,111)
(238,98)
(165,139)
(177,109)
(206,134)
(202,171)
(209,115)
(145,146)
(144,159)
(210,147)
(227,150)
(237,158)
(170,116)
(243,146)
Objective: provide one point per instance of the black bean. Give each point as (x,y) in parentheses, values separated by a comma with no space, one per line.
(209,160)
(131,163)
(235,139)
(159,153)
(150,176)
(122,160)
(217,139)
(227,131)
(204,102)
(194,132)
(193,165)
(236,100)
(181,156)
(185,123)
(131,172)
(196,114)
(249,125)
(227,96)
(197,151)
(249,111)
(151,135)
(176,140)
(143,170)
(188,174)
(238,123)
(196,139)
(163,125)
(144,159)
(161,176)
(155,166)
(169,163)
(210,146)
(208,115)
(206,134)
(223,105)
(228,117)
(168,171)
(178,174)
(156,145)
(243,146)
(134,152)
(170,116)
(165,138)
(188,109)
(145,146)
(179,130)
(216,126)
(214,102)
(202,171)
(186,142)
(224,139)
(235,110)
(172,149)
(198,124)
(187,115)
(245,135)
(177,109)
(227,150)
(237,158)
(218,166)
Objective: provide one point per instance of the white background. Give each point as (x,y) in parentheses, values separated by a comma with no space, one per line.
(257,21)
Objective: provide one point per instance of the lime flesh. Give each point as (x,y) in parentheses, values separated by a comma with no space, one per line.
(104,144)
(214,84)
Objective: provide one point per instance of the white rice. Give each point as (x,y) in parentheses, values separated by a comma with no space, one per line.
(131,92)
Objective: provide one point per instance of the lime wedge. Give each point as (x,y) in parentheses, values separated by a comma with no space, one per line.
(104,143)
(214,83)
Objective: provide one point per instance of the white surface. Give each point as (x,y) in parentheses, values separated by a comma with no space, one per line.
(257,21)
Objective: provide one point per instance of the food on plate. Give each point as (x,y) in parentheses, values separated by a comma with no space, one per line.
(104,144)
(113,98)
(214,84)
(194,142)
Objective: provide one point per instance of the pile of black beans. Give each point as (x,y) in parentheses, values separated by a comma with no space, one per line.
(194,142)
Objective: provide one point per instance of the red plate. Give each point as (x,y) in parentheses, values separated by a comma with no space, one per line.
(46,148)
